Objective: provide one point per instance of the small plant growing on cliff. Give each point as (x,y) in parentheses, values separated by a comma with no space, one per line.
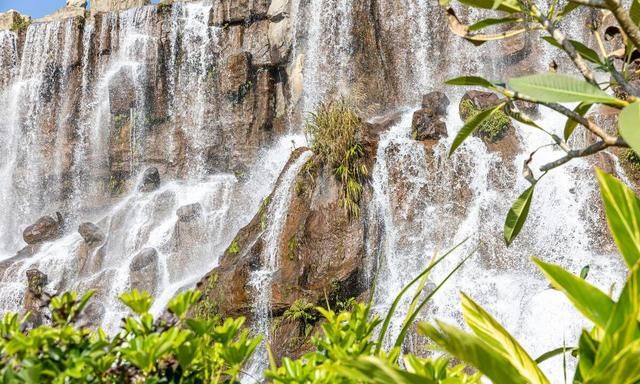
(492,128)
(234,248)
(21,24)
(553,90)
(335,128)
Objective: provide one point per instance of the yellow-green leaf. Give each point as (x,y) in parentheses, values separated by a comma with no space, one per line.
(629,126)
(571,124)
(491,332)
(592,302)
(623,216)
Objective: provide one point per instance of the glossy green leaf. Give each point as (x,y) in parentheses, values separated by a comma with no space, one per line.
(557,88)
(571,124)
(474,351)
(471,125)
(509,6)
(492,22)
(592,302)
(471,81)
(634,11)
(517,215)
(623,216)
(585,52)
(492,333)
(629,125)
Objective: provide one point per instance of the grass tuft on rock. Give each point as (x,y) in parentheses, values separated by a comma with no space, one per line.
(335,128)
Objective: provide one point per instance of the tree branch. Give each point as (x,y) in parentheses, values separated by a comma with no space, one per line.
(588,151)
(627,25)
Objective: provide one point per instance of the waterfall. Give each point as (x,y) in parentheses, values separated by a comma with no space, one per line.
(261,279)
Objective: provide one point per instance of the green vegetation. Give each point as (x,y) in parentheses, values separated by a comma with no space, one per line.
(335,128)
(234,248)
(492,128)
(552,89)
(304,312)
(21,24)
(179,349)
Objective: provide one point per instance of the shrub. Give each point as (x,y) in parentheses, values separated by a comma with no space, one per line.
(21,25)
(178,349)
(335,128)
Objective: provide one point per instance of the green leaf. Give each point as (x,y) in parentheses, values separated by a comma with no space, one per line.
(629,126)
(471,81)
(584,272)
(571,124)
(509,6)
(592,302)
(554,352)
(585,52)
(623,216)
(474,351)
(517,215)
(557,88)
(491,22)
(471,125)
(138,302)
(491,332)
(634,11)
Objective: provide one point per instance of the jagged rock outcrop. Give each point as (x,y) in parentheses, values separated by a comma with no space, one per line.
(45,229)
(428,123)
(115,5)
(150,180)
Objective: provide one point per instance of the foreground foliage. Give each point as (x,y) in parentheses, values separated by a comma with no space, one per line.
(180,349)
(553,90)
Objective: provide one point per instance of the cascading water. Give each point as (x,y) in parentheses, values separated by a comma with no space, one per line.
(261,279)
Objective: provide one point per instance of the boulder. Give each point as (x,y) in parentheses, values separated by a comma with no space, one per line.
(238,11)
(91,234)
(189,212)
(150,180)
(45,229)
(480,101)
(428,123)
(144,270)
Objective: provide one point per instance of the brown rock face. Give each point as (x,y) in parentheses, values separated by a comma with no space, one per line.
(115,5)
(150,180)
(45,229)
(480,100)
(428,123)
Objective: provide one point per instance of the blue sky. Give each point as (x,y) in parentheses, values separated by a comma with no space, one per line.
(35,8)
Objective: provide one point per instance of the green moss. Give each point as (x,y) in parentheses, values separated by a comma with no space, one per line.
(120,119)
(292,247)
(493,128)
(234,248)
(335,128)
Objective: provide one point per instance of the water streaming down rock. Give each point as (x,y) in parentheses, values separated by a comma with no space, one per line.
(262,278)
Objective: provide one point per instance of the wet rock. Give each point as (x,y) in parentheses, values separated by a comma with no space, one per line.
(92,315)
(45,229)
(236,73)
(91,234)
(122,94)
(144,270)
(237,11)
(33,297)
(428,123)
(189,212)
(150,180)
(479,100)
